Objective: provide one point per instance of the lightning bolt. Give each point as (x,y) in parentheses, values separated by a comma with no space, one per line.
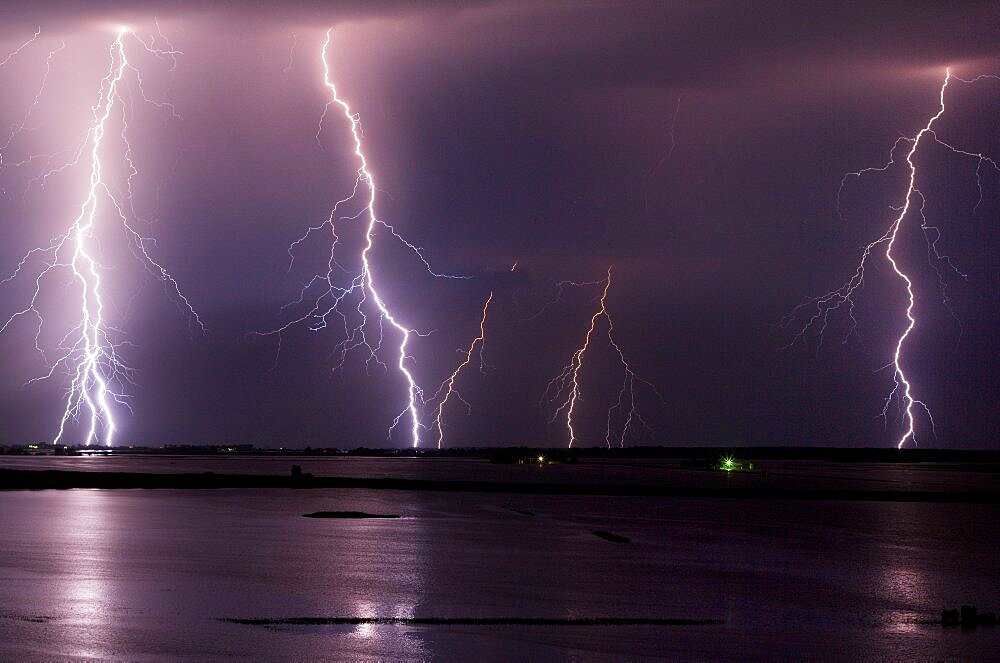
(651,173)
(17,51)
(823,306)
(20,127)
(329,298)
(571,372)
(559,289)
(89,351)
(367,276)
(626,394)
(448,386)
(566,385)
(291,54)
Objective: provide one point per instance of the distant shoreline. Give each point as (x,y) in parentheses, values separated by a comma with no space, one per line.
(59,479)
(502,454)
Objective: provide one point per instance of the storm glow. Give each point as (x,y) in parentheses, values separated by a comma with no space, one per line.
(90,352)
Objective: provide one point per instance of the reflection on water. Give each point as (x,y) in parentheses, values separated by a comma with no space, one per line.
(902,580)
(904,584)
(153,574)
(82,570)
(909,587)
(404,575)
(365,609)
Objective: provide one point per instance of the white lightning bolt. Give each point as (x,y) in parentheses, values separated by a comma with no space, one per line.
(823,306)
(330,297)
(365,176)
(899,376)
(89,351)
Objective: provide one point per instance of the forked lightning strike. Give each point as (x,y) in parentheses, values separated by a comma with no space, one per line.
(448,386)
(567,383)
(329,298)
(89,351)
(823,306)
(560,289)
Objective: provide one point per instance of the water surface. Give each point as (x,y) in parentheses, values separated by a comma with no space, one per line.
(154,574)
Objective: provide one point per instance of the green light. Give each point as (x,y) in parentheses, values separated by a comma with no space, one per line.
(728,463)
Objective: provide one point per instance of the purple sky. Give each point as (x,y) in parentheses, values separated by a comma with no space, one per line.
(536,132)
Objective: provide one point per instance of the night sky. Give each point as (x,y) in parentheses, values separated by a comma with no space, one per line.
(537,132)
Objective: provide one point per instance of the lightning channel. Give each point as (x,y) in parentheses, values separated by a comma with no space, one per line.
(368,277)
(90,351)
(17,51)
(337,293)
(816,311)
(565,387)
(448,386)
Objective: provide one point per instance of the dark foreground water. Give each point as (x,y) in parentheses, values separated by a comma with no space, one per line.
(154,575)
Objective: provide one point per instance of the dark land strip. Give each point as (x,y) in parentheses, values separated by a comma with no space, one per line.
(58,479)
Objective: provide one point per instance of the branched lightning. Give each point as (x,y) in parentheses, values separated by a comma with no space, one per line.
(448,386)
(816,311)
(325,297)
(89,351)
(566,385)
(19,127)
(559,288)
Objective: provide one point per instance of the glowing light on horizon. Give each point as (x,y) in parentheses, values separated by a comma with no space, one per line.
(832,301)
(89,351)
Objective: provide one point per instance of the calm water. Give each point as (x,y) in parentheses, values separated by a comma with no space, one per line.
(149,574)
